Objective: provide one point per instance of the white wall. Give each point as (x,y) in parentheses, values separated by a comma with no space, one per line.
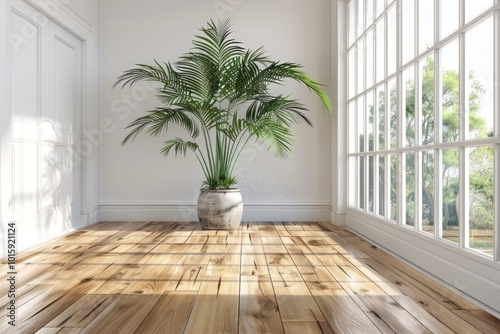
(136,182)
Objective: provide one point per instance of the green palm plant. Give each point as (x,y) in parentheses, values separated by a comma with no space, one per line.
(219,93)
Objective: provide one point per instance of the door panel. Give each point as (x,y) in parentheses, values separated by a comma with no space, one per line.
(46,90)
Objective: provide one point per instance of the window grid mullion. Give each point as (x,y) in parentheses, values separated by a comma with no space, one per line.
(418,156)
(496,78)
(400,165)
(438,121)
(464,127)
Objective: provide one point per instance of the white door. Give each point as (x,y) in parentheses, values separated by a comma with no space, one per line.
(46,99)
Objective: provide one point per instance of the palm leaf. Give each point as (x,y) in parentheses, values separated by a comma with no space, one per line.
(179,146)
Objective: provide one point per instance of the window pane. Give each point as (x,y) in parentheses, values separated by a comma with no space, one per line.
(426,25)
(352,22)
(448,20)
(393,196)
(408,18)
(361,65)
(361,182)
(427,100)
(393,113)
(369,12)
(370,58)
(361,17)
(371,182)
(391,40)
(450,88)
(381,186)
(353,148)
(481,203)
(352,71)
(450,171)
(410,189)
(361,124)
(381,117)
(428,182)
(380,40)
(479,79)
(409,105)
(353,162)
(475,7)
(370,112)
(379,7)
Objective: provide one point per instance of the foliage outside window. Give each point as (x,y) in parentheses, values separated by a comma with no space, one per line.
(422,142)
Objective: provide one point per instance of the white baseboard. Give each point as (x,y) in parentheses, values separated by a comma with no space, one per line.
(471,276)
(187,212)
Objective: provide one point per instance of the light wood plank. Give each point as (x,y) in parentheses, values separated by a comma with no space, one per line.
(170,314)
(124,315)
(216,308)
(258,307)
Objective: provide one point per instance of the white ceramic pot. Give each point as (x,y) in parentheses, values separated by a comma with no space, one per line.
(220,209)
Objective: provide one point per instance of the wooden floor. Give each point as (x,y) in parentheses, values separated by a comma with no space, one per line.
(158,277)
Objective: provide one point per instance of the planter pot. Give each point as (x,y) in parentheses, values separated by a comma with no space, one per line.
(220,209)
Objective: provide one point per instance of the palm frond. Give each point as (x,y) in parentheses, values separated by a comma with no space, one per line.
(279,108)
(279,136)
(179,146)
(157,121)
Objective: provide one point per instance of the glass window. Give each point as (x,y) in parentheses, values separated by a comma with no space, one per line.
(426,25)
(427,89)
(370,58)
(475,7)
(353,178)
(422,137)
(380,102)
(380,55)
(370,112)
(352,71)
(450,90)
(450,173)
(391,40)
(448,17)
(481,203)
(361,65)
(479,79)
(408,83)
(381,186)
(393,196)
(409,218)
(393,113)
(408,24)
(361,124)
(428,192)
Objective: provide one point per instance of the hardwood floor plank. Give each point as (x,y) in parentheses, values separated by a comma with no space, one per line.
(124,315)
(480,319)
(82,312)
(170,314)
(295,301)
(307,327)
(341,312)
(258,311)
(385,308)
(216,308)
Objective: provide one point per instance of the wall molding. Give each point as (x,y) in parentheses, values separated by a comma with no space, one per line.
(127,211)
(473,279)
